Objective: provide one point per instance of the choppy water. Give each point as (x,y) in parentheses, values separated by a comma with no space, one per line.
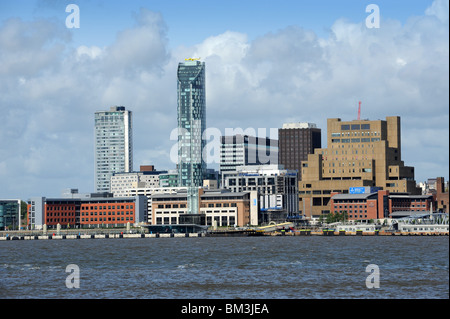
(312,267)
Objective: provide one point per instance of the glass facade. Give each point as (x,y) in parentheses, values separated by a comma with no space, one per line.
(9,214)
(191,123)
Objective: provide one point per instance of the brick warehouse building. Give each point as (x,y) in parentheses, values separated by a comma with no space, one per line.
(86,212)
(379,204)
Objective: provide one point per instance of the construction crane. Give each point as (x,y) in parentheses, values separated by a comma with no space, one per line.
(192,59)
(359,111)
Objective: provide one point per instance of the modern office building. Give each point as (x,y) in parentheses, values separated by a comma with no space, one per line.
(10,214)
(360,153)
(295,142)
(220,207)
(243,150)
(86,212)
(147,177)
(191,123)
(113,145)
(276,188)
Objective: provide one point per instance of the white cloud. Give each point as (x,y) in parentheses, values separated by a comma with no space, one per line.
(92,52)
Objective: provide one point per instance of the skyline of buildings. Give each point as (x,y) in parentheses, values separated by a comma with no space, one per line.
(360,154)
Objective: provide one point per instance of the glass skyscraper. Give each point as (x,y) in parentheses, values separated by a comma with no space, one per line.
(191,125)
(113,145)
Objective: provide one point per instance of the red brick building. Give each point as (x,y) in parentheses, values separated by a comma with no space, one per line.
(442,197)
(378,205)
(86,212)
(361,206)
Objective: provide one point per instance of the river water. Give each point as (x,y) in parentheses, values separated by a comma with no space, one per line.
(300,267)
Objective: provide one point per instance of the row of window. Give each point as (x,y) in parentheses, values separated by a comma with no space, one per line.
(60,220)
(59,214)
(183,212)
(104,207)
(106,219)
(60,208)
(221,220)
(106,213)
(347,127)
(355,140)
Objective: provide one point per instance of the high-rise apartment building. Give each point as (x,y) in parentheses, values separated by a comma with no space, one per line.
(241,150)
(191,125)
(360,153)
(113,145)
(191,122)
(295,142)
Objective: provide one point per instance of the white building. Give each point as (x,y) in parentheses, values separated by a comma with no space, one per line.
(277,189)
(113,145)
(134,187)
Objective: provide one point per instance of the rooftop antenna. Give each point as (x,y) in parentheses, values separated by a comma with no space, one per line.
(359,111)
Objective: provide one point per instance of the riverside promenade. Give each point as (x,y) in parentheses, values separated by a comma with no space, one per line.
(111,234)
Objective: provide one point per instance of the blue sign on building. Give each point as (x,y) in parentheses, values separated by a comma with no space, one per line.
(363,190)
(357,190)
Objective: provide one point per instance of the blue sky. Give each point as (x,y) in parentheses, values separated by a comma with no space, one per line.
(189,22)
(267,63)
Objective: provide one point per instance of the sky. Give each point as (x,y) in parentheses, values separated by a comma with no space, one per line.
(267,63)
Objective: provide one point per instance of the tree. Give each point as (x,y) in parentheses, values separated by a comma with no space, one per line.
(23,211)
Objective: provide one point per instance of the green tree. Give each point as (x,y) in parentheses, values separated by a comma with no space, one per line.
(23,211)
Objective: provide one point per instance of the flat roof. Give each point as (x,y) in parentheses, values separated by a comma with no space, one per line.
(224,194)
(409,213)
(411,196)
(353,196)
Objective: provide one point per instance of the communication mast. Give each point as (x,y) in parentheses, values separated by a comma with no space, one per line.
(359,111)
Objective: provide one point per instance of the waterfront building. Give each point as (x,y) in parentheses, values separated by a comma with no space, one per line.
(295,142)
(360,153)
(86,212)
(276,187)
(191,123)
(113,145)
(379,204)
(441,195)
(10,214)
(218,207)
(191,126)
(244,150)
(148,192)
